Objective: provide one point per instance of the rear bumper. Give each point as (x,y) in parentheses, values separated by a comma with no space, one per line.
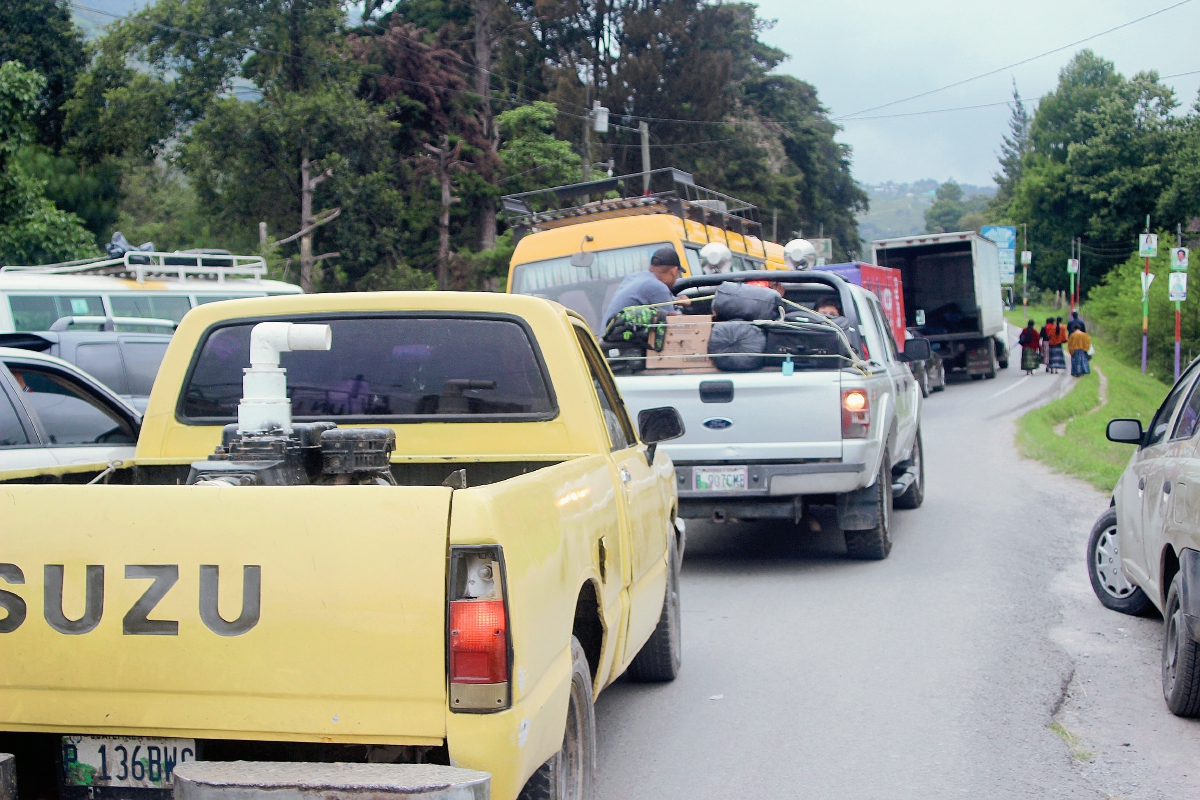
(770,490)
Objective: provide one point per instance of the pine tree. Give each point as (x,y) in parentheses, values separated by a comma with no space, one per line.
(1012,151)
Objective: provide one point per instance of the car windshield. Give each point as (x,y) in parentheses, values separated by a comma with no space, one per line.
(414,368)
(585,290)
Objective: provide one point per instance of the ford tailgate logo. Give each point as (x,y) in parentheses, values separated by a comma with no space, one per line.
(718,423)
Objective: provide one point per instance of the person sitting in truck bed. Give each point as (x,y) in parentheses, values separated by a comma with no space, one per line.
(651,287)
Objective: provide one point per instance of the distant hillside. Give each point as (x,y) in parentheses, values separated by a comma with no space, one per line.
(898,209)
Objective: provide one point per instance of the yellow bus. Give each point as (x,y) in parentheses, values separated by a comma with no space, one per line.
(577,254)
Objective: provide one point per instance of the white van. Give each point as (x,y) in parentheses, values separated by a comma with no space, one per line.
(159,286)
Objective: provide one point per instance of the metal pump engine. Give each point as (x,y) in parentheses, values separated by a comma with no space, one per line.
(264,447)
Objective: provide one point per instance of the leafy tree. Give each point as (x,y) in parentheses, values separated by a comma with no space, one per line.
(42,37)
(951,211)
(32,229)
(530,153)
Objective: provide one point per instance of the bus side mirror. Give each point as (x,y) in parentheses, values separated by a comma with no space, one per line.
(582,259)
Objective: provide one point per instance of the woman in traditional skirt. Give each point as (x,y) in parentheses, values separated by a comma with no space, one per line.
(1031,348)
(1045,332)
(1079,344)
(1058,337)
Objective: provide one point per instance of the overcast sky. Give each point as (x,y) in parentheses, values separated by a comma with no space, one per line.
(864,53)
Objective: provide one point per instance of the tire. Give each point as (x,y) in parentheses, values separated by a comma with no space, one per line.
(925,383)
(1112,588)
(1180,659)
(661,656)
(976,377)
(570,774)
(875,544)
(941,387)
(915,494)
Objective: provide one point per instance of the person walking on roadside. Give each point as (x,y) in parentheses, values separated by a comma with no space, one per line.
(1079,344)
(1044,335)
(1058,337)
(1031,345)
(1076,324)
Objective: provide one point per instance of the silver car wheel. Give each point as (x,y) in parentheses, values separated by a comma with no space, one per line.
(1108,566)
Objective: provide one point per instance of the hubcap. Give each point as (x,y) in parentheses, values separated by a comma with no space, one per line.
(1107,561)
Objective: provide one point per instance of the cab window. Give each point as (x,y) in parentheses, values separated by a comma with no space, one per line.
(1162,418)
(69,413)
(620,431)
(12,432)
(155,306)
(1185,426)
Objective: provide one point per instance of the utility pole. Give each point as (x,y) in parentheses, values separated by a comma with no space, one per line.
(1079,279)
(644,132)
(1178,243)
(1075,264)
(1025,270)
(1146,305)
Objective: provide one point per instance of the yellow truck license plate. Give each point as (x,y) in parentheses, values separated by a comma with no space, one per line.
(718,479)
(143,763)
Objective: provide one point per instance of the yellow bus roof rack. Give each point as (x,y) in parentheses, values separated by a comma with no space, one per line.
(660,191)
(140,265)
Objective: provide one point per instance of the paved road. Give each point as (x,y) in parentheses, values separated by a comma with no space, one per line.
(936,673)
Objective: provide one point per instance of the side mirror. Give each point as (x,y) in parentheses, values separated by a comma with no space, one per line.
(1125,431)
(917,349)
(582,259)
(659,425)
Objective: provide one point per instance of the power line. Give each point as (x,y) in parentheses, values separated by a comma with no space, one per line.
(1017,63)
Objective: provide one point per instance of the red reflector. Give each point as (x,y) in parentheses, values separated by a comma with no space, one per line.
(478,641)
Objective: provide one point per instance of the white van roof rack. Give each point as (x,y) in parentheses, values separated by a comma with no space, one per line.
(140,265)
(111,323)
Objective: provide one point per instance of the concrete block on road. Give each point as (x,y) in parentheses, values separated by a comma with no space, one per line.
(8,777)
(275,780)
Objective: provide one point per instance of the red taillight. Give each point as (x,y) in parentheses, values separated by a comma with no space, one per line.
(856,414)
(478,641)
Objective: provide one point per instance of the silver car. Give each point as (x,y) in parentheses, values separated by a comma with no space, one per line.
(1145,550)
(57,422)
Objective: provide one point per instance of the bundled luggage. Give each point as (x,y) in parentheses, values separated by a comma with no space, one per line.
(737,345)
(743,301)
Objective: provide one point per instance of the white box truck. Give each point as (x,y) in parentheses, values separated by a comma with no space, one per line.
(952,296)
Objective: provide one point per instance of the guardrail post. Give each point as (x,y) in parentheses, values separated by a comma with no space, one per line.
(8,777)
(271,780)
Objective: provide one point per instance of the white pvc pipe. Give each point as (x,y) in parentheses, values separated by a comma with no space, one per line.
(265,405)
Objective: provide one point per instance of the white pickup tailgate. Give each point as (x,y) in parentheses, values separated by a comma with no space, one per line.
(772,416)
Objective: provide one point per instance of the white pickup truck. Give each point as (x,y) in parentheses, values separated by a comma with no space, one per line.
(837,426)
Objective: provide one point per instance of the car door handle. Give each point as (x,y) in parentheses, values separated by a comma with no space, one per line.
(1166,487)
(625,476)
(1141,484)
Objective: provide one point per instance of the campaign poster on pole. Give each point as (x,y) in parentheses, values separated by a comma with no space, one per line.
(1072,266)
(1179,258)
(1147,245)
(1177,287)
(1026,258)
(824,248)
(1005,237)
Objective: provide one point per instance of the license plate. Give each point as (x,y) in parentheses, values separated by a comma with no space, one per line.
(718,479)
(144,763)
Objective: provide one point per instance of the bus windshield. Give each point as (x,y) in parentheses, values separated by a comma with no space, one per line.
(585,290)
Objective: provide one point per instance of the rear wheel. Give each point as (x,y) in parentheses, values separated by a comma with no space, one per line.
(925,383)
(1180,659)
(1109,583)
(941,384)
(570,774)
(914,495)
(661,656)
(875,543)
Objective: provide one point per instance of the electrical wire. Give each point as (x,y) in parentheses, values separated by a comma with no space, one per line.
(1017,63)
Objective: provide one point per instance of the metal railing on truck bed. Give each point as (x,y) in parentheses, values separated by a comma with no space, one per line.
(660,191)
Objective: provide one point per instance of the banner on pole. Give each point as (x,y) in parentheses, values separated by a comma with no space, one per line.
(1072,266)
(1005,237)
(1026,258)
(1147,245)
(1179,258)
(1147,279)
(1177,287)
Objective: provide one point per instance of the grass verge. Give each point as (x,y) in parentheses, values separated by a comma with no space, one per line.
(1082,450)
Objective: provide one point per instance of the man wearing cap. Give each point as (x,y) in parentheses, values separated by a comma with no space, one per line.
(650,287)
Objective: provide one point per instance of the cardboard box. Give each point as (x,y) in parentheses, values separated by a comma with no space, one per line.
(687,335)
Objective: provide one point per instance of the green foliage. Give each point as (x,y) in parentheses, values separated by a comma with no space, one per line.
(1103,152)
(530,153)
(1116,305)
(41,36)
(91,192)
(32,229)
(951,211)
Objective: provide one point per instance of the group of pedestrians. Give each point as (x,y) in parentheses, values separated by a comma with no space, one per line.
(1044,347)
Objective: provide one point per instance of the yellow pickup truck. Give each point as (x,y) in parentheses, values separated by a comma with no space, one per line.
(389,527)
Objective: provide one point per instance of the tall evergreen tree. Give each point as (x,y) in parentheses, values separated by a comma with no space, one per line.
(1013,149)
